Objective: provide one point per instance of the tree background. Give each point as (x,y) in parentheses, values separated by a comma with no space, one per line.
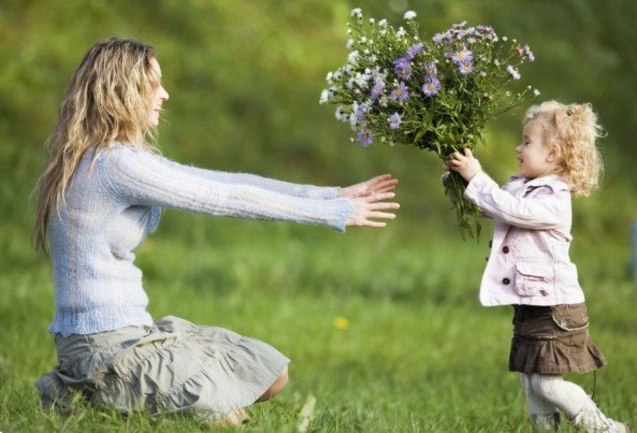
(383,326)
(245,78)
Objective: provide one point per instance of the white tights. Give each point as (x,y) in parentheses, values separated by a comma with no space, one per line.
(546,394)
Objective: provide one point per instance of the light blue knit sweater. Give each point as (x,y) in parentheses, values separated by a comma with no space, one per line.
(114,203)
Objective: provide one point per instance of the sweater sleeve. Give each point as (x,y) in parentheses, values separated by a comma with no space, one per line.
(543,211)
(299,190)
(136,177)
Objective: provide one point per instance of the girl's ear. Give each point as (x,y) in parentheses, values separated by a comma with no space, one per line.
(555,154)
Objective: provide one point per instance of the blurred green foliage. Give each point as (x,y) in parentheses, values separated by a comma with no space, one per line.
(245,78)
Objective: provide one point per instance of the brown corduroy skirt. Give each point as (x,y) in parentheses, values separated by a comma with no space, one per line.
(553,340)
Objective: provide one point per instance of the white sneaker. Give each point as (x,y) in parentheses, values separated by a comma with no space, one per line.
(592,420)
(620,427)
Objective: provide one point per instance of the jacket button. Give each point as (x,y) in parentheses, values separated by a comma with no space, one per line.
(505,281)
(505,250)
(490,244)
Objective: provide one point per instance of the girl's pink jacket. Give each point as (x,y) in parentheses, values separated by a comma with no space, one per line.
(529,260)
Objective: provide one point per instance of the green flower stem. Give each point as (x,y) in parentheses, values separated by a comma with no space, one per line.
(466,212)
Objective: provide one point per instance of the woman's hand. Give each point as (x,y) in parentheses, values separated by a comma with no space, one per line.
(370,207)
(466,165)
(378,184)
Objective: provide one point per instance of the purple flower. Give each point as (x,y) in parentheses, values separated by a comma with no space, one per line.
(361,111)
(402,68)
(465,68)
(462,56)
(487,32)
(394,121)
(430,68)
(413,50)
(377,90)
(431,86)
(365,137)
(400,92)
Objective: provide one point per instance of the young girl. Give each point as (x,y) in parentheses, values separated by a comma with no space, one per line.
(529,265)
(100,195)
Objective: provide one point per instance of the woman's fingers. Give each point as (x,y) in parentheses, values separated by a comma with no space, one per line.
(370,223)
(380,196)
(382,184)
(371,208)
(382,215)
(383,206)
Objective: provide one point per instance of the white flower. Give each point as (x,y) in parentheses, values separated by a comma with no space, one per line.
(382,23)
(504,38)
(514,72)
(325,97)
(353,121)
(401,32)
(372,21)
(536,92)
(363,40)
(361,80)
(353,57)
(409,15)
(340,114)
(357,12)
(349,44)
(329,78)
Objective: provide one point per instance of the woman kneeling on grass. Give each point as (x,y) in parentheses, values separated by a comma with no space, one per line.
(100,194)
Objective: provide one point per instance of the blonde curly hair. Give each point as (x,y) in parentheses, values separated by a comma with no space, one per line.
(572,131)
(107,100)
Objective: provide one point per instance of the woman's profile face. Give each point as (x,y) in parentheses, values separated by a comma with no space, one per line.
(159,95)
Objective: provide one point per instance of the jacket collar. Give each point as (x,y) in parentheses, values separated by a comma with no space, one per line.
(553,181)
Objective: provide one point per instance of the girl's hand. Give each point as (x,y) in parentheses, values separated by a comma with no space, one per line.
(466,165)
(370,207)
(378,184)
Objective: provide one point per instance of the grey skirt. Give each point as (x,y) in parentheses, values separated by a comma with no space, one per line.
(553,340)
(173,366)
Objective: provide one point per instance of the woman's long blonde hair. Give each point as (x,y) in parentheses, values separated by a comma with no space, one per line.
(572,130)
(108,100)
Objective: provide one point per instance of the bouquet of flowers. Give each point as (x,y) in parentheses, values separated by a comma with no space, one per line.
(435,94)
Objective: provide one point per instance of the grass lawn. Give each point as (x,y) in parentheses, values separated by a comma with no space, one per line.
(383,328)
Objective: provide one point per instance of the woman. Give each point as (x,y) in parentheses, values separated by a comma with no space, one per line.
(99,196)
